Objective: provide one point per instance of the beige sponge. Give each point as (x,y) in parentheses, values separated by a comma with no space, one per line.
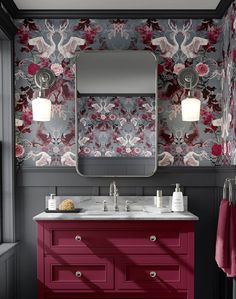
(67,205)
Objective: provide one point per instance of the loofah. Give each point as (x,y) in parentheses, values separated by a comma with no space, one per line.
(67,205)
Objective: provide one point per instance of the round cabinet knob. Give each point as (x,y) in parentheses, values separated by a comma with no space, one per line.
(78,238)
(78,274)
(152,274)
(153,238)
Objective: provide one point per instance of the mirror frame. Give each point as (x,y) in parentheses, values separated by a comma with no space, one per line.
(76,117)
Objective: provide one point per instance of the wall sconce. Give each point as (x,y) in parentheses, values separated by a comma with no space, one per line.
(190,106)
(41,106)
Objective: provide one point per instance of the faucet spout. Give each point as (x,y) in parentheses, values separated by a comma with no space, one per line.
(114,192)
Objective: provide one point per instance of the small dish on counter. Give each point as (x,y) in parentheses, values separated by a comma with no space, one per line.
(78,210)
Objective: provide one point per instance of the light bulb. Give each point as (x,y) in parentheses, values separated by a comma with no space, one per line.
(41,108)
(190,109)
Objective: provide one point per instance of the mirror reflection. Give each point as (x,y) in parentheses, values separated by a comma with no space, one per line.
(116,113)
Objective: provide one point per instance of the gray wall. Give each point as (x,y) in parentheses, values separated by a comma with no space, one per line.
(203,185)
(8,271)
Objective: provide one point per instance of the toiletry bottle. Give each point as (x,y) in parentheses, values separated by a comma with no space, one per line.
(177,200)
(159,200)
(52,202)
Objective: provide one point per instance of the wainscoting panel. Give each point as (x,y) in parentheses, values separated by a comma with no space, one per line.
(203,186)
(8,274)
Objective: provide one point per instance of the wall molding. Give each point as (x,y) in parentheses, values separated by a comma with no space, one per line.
(67,176)
(127,14)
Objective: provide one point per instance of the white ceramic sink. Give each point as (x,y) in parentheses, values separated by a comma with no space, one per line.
(114,213)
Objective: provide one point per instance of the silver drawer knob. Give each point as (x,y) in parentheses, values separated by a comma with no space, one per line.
(78,238)
(153,238)
(78,274)
(152,274)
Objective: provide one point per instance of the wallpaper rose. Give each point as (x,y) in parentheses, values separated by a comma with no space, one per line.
(177,44)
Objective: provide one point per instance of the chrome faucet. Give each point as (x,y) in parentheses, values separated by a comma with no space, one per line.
(114,192)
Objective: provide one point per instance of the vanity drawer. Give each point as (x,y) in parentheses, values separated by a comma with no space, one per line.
(79,272)
(157,272)
(76,239)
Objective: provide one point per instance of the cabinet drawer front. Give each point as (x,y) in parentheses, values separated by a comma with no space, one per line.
(86,241)
(163,273)
(79,272)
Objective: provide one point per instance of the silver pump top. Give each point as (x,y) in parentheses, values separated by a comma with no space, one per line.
(52,195)
(159,193)
(177,187)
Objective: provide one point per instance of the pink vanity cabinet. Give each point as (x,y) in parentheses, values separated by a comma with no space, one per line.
(115,259)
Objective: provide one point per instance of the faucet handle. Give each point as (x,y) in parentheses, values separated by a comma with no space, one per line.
(105,208)
(127,206)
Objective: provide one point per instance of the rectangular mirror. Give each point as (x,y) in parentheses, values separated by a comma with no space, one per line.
(116,113)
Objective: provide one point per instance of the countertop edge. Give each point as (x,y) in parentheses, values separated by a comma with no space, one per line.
(186,216)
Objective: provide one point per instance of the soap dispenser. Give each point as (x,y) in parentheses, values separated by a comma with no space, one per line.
(52,204)
(177,200)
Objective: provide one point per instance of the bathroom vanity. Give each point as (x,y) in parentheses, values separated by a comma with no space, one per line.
(116,255)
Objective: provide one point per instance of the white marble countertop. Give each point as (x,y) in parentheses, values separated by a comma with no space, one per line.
(141,208)
(134,215)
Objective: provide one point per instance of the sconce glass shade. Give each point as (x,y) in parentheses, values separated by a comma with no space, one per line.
(41,108)
(190,109)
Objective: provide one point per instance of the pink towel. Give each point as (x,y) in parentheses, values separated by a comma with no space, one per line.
(222,238)
(226,238)
(231,269)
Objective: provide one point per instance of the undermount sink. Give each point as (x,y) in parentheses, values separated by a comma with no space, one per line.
(113,213)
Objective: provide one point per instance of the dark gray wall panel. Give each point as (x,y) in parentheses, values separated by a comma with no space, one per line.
(8,273)
(29,202)
(202,185)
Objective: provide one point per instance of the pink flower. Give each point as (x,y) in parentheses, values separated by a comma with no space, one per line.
(57,69)
(216,150)
(112,117)
(202,69)
(128,150)
(86,150)
(178,67)
(137,150)
(33,68)
(103,117)
(119,150)
(69,73)
(116,102)
(27,117)
(19,150)
(160,69)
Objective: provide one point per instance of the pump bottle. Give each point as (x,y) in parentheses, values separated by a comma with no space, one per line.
(177,200)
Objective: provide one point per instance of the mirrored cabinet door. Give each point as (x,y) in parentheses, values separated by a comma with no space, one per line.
(116,113)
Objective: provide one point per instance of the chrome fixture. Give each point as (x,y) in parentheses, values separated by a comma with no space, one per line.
(127,206)
(153,238)
(78,238)
(41,106)
(190,106)
(114,192)
(105,208)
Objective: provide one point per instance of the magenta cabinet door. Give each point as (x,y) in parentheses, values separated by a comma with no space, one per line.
(158,272)
(79,273)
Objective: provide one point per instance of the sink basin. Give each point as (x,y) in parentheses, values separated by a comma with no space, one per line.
(113,213)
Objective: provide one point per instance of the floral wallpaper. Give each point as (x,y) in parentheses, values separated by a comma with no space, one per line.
(229,85)
(177,43)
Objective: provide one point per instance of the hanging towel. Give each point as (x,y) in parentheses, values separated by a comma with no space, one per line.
(222,237)
(230,270)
